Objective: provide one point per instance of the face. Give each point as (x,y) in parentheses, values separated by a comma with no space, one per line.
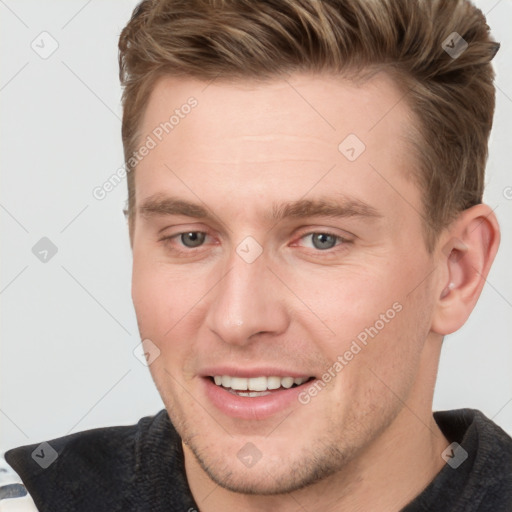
(280,272)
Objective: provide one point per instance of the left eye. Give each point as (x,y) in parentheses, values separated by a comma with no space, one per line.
(195,238)
(323,241)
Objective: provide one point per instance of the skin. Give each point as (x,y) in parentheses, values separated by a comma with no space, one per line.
(368,440)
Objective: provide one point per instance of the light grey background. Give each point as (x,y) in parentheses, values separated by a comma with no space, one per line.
(68,325)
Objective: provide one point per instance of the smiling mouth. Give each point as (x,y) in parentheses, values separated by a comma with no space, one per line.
(257,386)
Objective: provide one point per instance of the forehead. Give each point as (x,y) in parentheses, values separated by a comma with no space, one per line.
(256,137)
(330,105)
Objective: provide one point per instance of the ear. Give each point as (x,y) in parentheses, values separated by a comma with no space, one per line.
(465,255)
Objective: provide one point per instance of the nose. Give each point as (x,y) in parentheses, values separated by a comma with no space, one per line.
(247,302)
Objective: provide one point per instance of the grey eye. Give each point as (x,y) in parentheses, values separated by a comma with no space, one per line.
(192,238)
(323,240)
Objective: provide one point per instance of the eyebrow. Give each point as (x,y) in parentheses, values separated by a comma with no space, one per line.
(342,207)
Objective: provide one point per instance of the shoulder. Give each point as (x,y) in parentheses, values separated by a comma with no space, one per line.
(14,497)
(493,444)
(92,448)
(69,467)
(489,481)
(494,469)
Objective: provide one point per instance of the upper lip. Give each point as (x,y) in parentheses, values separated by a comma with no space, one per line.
(262,371)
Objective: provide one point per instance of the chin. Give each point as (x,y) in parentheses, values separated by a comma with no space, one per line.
(268,477)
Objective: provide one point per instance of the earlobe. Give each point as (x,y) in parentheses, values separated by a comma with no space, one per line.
(464,263)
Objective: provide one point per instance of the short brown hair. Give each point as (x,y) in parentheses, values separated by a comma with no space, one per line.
(453,98)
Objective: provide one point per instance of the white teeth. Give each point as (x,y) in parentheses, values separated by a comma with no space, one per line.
(241,384)
(254,384)
(287,382)
(273,382)
(257,383)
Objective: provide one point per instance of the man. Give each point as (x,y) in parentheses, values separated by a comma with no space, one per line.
(305,212)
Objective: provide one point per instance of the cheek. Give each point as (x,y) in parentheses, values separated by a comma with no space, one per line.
(350,303)
(156,301)
(168,309)
(147,299)
(378,324)
(389,362)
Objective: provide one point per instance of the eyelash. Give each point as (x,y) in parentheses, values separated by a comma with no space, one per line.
(343,241)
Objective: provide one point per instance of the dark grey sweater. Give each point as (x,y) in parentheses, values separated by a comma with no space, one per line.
(141,468)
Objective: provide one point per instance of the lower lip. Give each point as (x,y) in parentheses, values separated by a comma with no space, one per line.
(255,408)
